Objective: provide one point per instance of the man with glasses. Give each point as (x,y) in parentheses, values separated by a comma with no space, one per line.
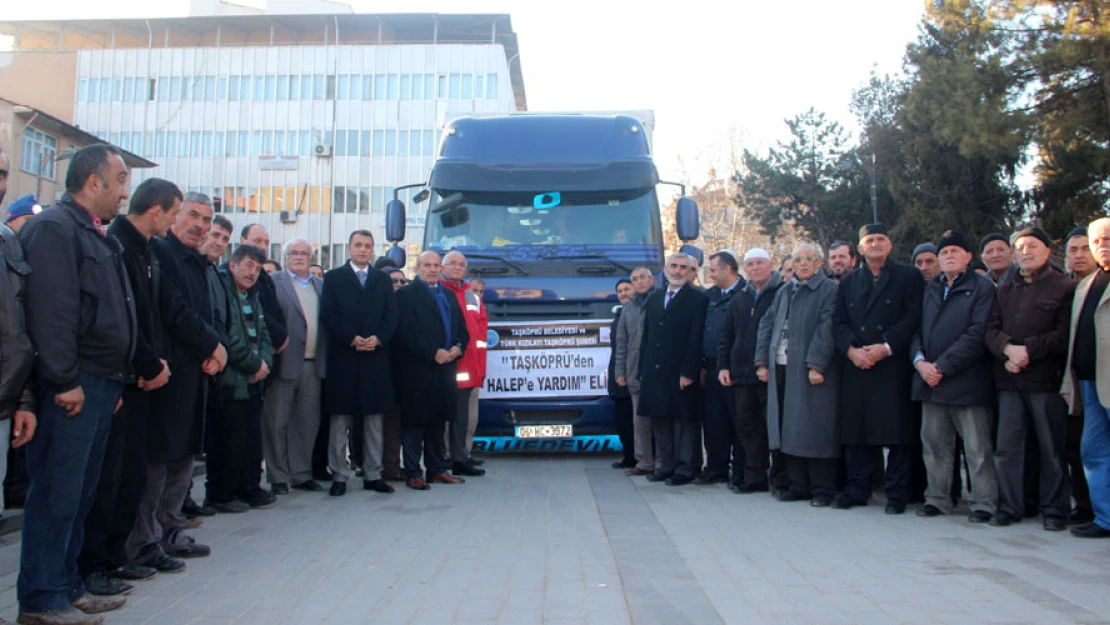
(397,277)
(670,365)
(627,365)
(470,369)
(878,311)
(292,409)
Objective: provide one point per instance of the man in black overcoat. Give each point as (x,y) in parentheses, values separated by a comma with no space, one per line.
(670,365)
(878,311)
(431,338)
(359,310)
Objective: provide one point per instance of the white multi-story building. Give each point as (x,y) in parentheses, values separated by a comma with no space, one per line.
(303,123)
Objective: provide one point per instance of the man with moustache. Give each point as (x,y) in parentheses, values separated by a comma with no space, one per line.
(842,260)
(152,209)
(670,364)
(1080,263)
(431,339)
(470,369)
(723,449)
(176,428)
(1087,379)
(81,321)
(878,311)
(621,398)
(256,235)
(998,256)
(627,366)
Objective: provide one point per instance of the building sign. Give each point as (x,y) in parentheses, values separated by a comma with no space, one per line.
(277,163)
(547,359)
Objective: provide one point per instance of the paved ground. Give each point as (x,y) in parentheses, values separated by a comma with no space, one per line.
(566,539)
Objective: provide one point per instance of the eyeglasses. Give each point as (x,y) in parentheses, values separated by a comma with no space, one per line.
(400,281)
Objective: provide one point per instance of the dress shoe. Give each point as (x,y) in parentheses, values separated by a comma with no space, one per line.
(793,495)
(635,471)
(929,511)
(1080,516)
(338,489)
(894,507)
(744,488)
(476,462)
(229,507)
(1053,523)
(979,516)
(1090,530)
(378,486)
(461,468)
(279,489)
(260,498)
(90,604)
(311,486)
(134,572)
(679,480)
(1003,519)
(711,478)
(417,483)
(659,477)
(66,616)
(193,523)
(844,501)
(103,585)
(821,501)
(444,478)
(166,564)
(621,464)
(191,549)
(191,509)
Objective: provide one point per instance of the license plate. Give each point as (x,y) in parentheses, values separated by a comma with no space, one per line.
(544,431)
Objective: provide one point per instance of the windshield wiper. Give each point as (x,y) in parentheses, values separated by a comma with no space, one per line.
(589,269)
(516,266)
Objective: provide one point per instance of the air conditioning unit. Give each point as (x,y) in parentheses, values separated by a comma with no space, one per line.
(288,217)
(323,149)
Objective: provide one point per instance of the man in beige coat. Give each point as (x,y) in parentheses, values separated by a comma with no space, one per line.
(1087,377)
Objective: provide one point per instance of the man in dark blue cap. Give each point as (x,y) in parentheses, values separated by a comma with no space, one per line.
(878,312)
(21,210)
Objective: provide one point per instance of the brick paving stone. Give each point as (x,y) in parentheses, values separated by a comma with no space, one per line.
(566,539)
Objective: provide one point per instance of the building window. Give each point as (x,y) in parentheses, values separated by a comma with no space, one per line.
(491,86)
(39,152)
(83,90)
(467,87)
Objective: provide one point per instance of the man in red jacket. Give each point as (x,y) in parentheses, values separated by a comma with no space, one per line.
(471,367)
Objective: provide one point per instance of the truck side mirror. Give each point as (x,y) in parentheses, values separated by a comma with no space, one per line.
(395,221)
(397,253)
(694,251)
(686,219)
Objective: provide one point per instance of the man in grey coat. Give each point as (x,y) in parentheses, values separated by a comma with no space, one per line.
(629,332)
(292,410)
(954,381)
(796,355)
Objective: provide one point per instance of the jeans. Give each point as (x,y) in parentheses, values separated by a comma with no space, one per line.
(64,460)
(1096,451)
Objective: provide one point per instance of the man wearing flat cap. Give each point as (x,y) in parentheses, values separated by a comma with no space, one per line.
(953,381)
(1027,333)
(998,257)
(878,311)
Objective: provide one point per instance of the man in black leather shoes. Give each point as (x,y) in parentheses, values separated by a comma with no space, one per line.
(378,486)
(724,450)
(191,509)
(621,397)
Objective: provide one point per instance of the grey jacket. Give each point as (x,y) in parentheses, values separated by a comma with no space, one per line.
(630,330)
(291,360)
(17,358)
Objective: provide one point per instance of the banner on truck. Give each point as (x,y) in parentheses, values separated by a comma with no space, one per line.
(534,359)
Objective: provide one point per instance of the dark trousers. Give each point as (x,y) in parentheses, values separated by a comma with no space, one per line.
(859,461)
(919,479)
(354,444)
(237,450)
(778,477)
(16,479)
(751,425)
(320,448)
(675,446)
(428,442)
(457,429)
(64,461)
(122,480)
(1048,415)
(815,476)
(626,430)
(724,449)
(1079,490)
(391,444)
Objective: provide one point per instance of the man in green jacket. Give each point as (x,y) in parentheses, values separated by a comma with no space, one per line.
(236,460)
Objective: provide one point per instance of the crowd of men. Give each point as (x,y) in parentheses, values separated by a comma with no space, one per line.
(821,385)
(129,351)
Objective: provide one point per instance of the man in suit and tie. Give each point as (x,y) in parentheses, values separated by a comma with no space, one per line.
(292,409)
(432,337)
(358,310)
(670,365)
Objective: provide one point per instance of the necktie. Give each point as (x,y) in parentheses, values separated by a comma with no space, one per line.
(361,276)
(667,300)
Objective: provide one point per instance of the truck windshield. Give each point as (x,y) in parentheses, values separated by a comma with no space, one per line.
(493,220)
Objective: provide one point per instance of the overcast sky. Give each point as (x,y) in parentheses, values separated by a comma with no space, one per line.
(709,69)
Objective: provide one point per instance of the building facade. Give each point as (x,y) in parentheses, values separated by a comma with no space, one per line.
(302,123)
